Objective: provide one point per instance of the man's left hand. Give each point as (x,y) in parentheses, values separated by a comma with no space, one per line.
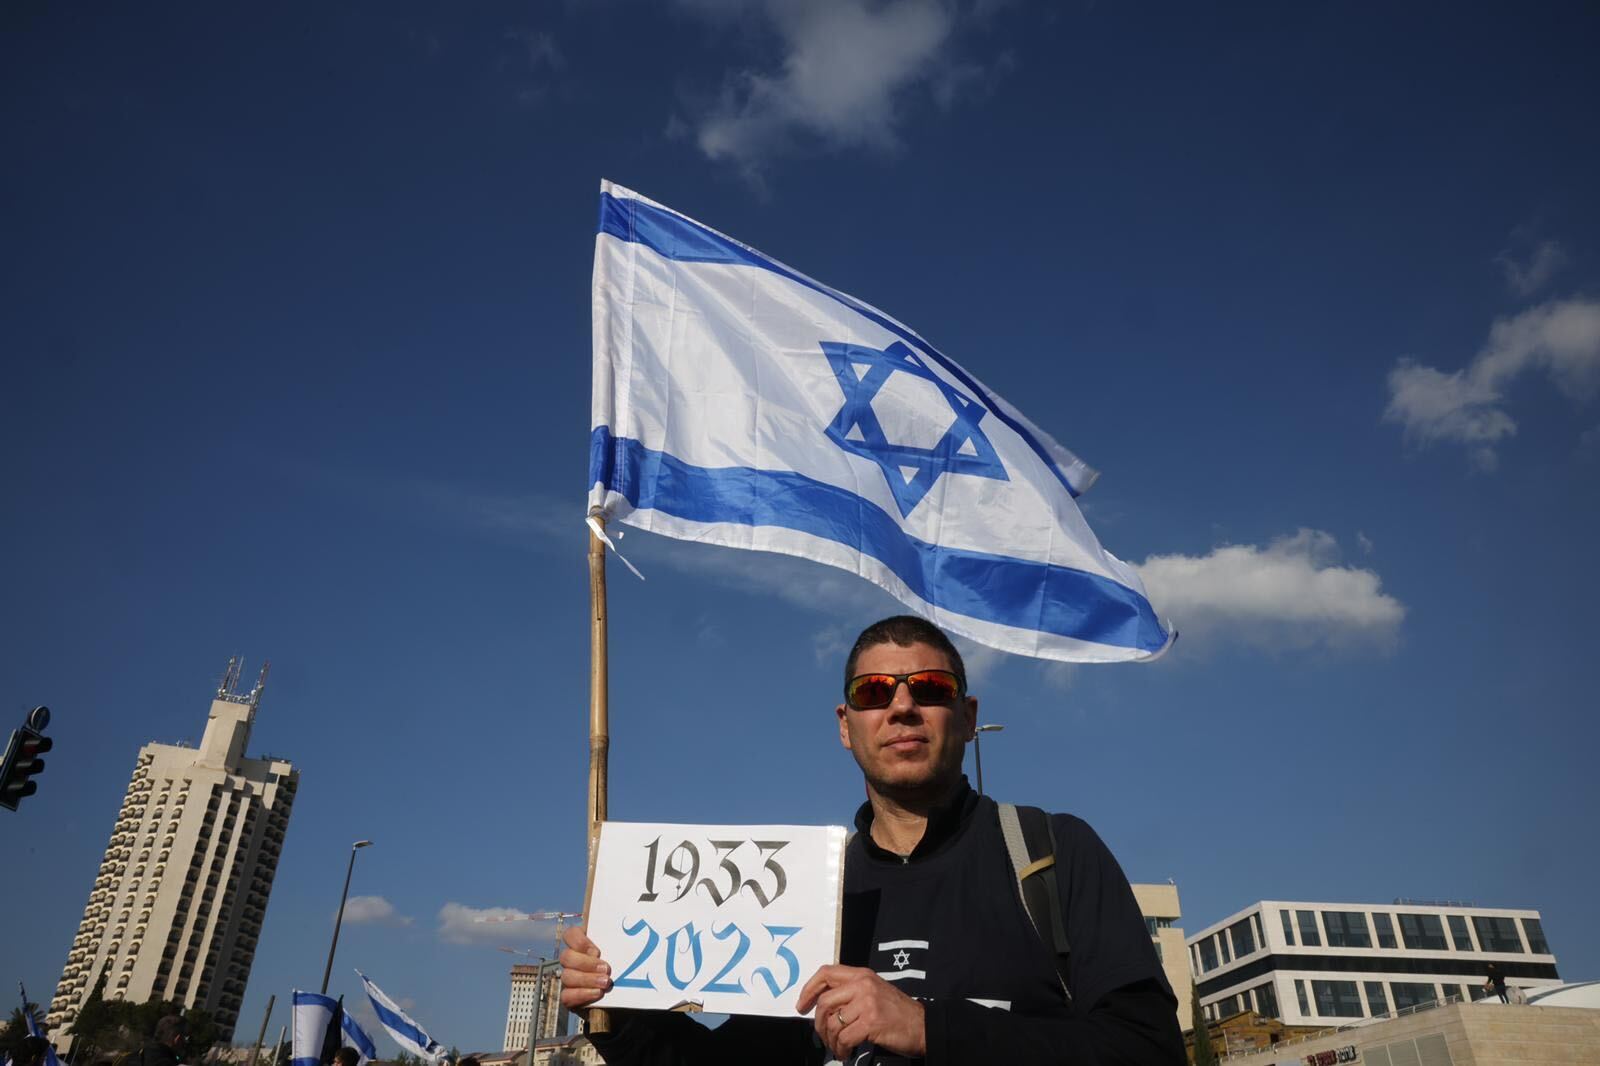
(855,1006)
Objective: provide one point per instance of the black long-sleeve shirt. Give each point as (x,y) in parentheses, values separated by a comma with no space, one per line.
(946,925)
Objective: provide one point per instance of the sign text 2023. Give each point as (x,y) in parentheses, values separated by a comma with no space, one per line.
(727,979)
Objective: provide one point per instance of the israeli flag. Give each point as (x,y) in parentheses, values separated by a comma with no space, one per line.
(312,1014)
(406,1032)
(359,1040)
(34,1030)
(739,402)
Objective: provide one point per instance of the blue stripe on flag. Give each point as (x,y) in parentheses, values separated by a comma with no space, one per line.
(990,588)
(359,1038)
(399,1025)
(685,241)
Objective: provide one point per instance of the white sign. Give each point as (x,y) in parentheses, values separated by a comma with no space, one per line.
(729,919)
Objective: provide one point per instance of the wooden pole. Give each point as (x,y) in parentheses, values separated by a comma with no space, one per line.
(599,729)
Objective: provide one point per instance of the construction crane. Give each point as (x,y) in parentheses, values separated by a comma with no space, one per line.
(560,918)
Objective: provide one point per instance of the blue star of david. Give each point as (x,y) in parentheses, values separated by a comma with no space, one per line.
(910,471)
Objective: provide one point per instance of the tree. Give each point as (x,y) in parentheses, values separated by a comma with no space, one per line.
(105,1027)
(14,1030)
(1204,1053)
(95,1024)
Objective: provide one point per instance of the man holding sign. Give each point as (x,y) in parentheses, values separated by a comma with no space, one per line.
(940,960)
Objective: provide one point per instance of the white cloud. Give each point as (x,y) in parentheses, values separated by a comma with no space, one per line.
(461,924)
(1589,442)
(845,70)
(531,75)
(1528,275)
(1292,593)
(373,909)
(1466,406)
(539,48)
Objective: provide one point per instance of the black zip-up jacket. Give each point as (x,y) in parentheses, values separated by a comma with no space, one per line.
(946,925)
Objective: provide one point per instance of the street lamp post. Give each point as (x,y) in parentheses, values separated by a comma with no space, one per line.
(977,749)
(338,921)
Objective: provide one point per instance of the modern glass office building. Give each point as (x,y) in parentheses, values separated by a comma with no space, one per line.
(1332,963)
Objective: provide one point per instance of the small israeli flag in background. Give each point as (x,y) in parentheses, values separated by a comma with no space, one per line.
(34,1029)
(406,1032)
(359,1040)
(313,1013)
(741,403)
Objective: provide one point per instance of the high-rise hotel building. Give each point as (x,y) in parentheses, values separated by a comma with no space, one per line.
(177,906)
(527,988)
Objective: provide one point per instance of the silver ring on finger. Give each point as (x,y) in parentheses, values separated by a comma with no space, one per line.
(838,1016)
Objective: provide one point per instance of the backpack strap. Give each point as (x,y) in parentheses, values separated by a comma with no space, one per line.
(1031,843)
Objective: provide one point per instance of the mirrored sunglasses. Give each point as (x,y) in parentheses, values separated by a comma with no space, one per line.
(928,688)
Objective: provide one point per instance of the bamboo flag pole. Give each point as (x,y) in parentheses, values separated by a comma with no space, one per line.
(599,728)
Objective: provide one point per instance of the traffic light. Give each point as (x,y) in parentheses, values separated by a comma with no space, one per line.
(22,760)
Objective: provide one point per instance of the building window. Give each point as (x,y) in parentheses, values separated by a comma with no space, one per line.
(1227,1008)
(1423,932)
(1244,941)
(1385,927)
(1160,955)
(1536,940)
(1377,1002)
(1411,995)
(1266,1001)
(1300,993)
(1288,928)
(1309,937)
(1497,934)
(1208,955)
(1346,929)
(1222,938)
(1458,932)
(1337,999)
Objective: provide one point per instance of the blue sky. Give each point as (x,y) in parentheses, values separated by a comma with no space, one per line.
(296,343)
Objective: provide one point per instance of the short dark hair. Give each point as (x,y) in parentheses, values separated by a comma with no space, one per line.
(170,1026)
(906,630)
(347,1056)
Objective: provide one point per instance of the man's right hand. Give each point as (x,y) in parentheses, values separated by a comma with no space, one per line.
(584,978)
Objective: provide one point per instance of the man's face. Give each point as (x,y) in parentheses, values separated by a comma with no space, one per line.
(906,747)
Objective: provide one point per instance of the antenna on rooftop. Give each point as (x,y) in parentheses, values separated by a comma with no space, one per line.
(261,683)
(230,676)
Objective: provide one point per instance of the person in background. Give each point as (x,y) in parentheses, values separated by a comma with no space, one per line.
(30,1051)
(166,1048)
(1495,985)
